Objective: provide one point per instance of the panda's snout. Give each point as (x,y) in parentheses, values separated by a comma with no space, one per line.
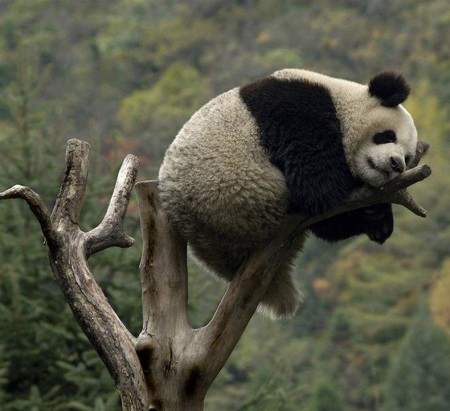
(397,164)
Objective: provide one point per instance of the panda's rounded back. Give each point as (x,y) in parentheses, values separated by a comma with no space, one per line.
(216,179)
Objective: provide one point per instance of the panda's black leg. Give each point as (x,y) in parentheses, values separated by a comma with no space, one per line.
(379,222)
(376,221)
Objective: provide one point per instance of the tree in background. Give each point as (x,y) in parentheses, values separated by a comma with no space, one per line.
(326,397)
(438,298)
(419,377)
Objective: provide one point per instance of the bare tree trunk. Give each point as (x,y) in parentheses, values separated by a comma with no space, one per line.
(170,366)
(166,345)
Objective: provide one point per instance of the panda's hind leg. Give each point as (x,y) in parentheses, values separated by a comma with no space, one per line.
(224,259)
(282,297)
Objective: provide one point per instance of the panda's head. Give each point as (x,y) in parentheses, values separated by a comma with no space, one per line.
(380,140)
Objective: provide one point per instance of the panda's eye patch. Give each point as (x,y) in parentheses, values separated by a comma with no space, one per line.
(385,137)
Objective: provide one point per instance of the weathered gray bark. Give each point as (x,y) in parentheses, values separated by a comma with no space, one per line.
(170,366)
(69,249)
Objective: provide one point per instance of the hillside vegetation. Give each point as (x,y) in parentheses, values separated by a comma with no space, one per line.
(374,330)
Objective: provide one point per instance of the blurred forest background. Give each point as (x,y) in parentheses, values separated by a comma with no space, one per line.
(374,330)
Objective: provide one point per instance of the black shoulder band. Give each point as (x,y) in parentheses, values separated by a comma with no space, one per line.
(299,127)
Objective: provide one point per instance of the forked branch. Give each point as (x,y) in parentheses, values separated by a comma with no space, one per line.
(171,365)
(253,278)
(69,248)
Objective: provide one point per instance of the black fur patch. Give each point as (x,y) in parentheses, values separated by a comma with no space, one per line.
(376,221)
(299,128)
(391,88)
(384,137)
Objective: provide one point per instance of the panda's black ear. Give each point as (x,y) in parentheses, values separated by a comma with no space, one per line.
(391,88)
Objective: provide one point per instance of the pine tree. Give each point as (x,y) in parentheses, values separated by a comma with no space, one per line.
(419,378)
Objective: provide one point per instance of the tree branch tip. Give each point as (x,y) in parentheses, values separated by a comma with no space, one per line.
(405,199)
(422,169)
(128,241)
(78,143)
(423,147)
(5,195)
(18,191)
(407,178)
(132,158)
(426,170)
(417,210)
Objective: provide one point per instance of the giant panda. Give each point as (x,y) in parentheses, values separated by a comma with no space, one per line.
(292,142)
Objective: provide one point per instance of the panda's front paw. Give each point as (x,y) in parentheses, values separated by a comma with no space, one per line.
(379,222)
(380,233)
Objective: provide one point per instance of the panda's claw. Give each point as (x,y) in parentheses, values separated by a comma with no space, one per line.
(378,235)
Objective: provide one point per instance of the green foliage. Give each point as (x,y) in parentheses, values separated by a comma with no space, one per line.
(419,378)
(125,75)
(263,372)
(164,108)
(438,298)
(326,397)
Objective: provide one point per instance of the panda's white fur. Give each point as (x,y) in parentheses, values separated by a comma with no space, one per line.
(222,189)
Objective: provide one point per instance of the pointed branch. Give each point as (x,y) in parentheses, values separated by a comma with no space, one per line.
(421,150)
(392,192)
(73,186)
(37,207)
(110,232)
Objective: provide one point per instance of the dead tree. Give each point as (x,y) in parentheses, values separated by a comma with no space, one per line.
(170,365)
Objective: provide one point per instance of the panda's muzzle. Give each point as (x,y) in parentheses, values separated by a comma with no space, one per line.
(373,166)
(397,164)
